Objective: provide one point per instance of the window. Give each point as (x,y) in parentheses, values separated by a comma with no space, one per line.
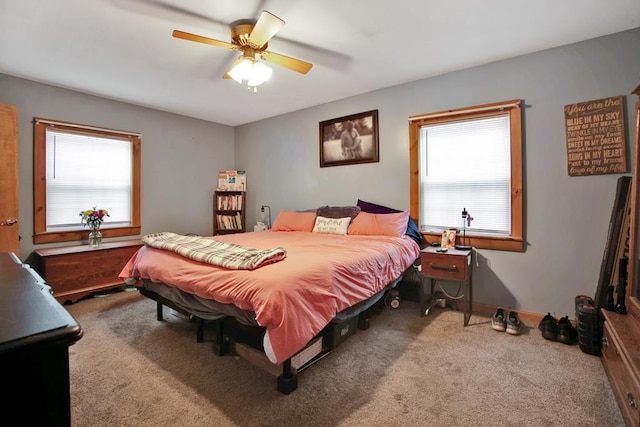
(77,167)
(469,159)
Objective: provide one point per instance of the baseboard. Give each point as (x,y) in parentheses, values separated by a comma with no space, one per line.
(410,292)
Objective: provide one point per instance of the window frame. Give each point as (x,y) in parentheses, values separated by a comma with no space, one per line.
(40,233)
(514,242)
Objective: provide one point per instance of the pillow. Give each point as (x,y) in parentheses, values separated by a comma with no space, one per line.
(331,225)
(371,224)
(412,228)
(294,221)
(374,208)
(338,211)
(413,231)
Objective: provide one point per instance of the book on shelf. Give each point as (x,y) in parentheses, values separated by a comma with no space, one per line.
(229,202)
(232,181)
(229,222)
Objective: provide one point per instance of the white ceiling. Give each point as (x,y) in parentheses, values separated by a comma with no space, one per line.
(123,49)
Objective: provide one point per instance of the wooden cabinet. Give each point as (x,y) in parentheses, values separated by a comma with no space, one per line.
(621,359)
(621,337)
(228,212)
(74,272)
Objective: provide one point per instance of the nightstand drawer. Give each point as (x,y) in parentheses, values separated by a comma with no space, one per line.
(451,265)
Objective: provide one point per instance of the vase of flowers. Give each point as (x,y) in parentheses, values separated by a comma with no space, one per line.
(93,218)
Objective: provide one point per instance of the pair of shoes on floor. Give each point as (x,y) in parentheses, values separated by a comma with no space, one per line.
(511,324)
(558,330)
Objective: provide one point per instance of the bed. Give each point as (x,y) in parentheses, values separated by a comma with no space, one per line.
(330,266)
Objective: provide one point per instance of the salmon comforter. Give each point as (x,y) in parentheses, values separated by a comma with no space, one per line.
(294,299)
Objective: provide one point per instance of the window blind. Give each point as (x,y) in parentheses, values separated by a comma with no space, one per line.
(466,164)
(83,172)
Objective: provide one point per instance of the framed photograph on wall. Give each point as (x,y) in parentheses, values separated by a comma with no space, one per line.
(349,140)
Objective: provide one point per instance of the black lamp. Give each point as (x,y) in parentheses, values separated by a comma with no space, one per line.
(262,210)
(466,222)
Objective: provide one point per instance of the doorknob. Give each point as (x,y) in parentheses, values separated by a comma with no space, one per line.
(10,221)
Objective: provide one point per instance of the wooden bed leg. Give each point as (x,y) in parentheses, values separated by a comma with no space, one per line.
(363,320)
(288,381)
(159,311)
(220,346)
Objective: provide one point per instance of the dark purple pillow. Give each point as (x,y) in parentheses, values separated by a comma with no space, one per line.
(374,208)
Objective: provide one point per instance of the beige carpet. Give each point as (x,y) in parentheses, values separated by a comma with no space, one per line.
(131,370)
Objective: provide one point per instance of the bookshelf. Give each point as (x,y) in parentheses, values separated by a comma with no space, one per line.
(229,212)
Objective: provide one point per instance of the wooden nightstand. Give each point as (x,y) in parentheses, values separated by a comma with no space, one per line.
(454,265)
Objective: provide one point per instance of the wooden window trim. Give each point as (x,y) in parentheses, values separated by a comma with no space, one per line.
(515,242)
(41,235)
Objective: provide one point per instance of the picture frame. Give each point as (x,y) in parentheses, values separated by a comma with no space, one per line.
(448,240)
(349,140)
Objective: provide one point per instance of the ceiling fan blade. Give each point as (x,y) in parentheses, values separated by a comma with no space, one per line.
(287,62)
(233,64)
(267,26)
(200,39)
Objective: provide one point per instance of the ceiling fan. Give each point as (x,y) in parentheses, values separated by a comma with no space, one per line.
(252,40)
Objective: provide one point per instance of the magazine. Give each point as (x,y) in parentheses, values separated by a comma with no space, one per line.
(232,181)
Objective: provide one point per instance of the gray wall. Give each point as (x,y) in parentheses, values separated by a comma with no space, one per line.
(181,156)
(566,217)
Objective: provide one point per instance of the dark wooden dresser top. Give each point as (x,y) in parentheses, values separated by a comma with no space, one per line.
(29,314)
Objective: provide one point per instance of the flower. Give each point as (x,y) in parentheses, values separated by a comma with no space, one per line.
(93,217)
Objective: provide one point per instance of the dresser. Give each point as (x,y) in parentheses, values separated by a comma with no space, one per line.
(35,335)
(621,335)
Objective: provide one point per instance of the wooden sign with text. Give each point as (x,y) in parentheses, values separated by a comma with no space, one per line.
(595,137)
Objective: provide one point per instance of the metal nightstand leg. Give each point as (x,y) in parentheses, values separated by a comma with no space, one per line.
(426,301)
(469,302)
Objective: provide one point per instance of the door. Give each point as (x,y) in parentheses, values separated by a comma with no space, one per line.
(9,235)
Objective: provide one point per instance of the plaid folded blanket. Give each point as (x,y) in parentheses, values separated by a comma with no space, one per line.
(227,255)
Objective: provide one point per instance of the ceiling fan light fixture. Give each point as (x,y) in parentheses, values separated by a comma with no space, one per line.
(252,39)
(253,71)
